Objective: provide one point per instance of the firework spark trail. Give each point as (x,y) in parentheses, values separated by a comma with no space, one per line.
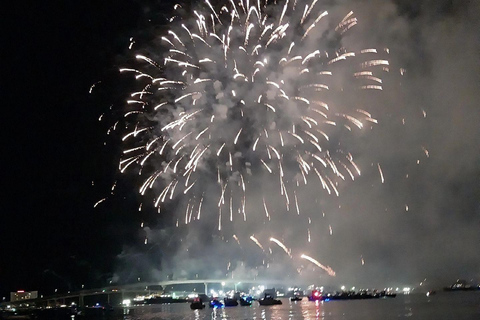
(281,245)
(312,260)
(257,242)
(99,201)
(381,173)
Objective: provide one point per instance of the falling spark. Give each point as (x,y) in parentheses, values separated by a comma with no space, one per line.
(381,173)
(326,268)
(98,202)
(256,242)
(427,154)
(281,245)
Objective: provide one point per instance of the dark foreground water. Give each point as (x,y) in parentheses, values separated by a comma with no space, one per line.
(451,306)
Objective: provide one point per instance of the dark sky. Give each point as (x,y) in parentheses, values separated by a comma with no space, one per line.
(52,54)
(50,234)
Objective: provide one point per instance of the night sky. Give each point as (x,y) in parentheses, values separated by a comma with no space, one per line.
(53,144)
(55,52)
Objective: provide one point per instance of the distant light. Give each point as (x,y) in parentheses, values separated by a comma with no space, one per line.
(126,302)
(21,291)
(342,287)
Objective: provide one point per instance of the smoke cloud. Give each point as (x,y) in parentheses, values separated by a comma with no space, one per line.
(420,222)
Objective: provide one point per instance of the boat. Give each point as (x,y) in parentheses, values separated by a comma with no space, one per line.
(361,295)
(296,298)
(268,300)
(381,294)
(315,296)
(230,302)
(164,300)
(462,285)
(246,301)
(197,304)
(215,303)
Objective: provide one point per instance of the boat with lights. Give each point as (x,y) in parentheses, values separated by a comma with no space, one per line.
(268,300)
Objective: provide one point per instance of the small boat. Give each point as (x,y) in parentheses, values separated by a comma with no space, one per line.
(197,304)
(430,293)
(315,296)
(229,302)
(246,301)
(462,285)
(268,300)
(296,298)
(215,303)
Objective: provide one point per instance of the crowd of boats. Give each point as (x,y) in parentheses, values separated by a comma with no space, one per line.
(244,301)
(269,300)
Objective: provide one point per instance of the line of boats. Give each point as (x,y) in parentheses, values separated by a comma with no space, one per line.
(269,300)
(350,295)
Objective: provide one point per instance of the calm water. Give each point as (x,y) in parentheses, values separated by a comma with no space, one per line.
(451,306)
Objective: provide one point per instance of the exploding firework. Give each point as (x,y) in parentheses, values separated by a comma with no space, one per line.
(247,94)
(240,91)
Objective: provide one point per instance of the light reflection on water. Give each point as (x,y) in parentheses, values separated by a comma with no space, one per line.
(442,306)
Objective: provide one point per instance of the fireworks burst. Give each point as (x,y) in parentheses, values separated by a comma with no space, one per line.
(247,91)
(238,91)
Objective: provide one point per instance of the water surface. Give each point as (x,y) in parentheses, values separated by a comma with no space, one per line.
(451,306)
